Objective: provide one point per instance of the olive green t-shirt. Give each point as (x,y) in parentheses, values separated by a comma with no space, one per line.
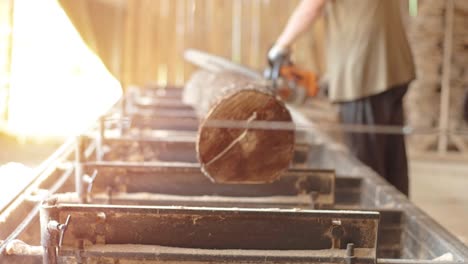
(367,48)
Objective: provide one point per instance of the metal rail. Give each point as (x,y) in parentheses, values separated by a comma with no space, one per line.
(205,228)
(43,172)
(34,212)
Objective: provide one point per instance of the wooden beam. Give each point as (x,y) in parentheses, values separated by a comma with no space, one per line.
(445,94)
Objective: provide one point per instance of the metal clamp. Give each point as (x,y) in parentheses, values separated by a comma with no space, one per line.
(337,232)
(350,253)
(90,180)
(62,228)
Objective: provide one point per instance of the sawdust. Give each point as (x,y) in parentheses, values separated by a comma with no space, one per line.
(18,247)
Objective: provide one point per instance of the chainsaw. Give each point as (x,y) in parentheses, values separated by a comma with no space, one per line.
(290,82)
(286,80)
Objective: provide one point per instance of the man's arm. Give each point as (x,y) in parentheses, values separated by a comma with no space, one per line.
(303,16)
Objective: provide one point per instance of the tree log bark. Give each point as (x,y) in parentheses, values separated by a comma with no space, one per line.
(240,155)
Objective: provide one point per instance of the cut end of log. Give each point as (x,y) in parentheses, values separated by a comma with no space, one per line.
(241,155)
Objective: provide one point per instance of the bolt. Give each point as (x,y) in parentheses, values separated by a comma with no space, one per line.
(337,231)
(350,249)
(350,253)
(101,216)
(54,225)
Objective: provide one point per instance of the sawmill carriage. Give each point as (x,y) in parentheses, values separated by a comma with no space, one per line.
(131,190)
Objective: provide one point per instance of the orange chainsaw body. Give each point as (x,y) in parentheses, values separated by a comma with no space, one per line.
(305,79)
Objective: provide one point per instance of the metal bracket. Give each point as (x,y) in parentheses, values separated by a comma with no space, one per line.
(62,228)
(156,226)
(90,180)
(350,257)
(337,232)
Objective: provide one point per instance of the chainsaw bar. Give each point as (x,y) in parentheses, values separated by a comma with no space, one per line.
(215,63)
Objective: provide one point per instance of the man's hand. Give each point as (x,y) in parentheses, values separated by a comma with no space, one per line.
(278,53)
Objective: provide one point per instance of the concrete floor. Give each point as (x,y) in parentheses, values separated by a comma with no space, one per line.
(441,190)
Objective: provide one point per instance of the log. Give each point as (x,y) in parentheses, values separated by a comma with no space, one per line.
(240,155)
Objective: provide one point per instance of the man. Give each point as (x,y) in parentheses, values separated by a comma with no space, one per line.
(369,67)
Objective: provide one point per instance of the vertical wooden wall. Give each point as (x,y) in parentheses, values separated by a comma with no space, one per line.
(157,32)
(6,38)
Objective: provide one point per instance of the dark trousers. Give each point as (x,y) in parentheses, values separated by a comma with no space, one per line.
(385,153)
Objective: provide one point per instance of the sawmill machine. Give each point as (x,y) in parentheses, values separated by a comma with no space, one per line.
(131,189)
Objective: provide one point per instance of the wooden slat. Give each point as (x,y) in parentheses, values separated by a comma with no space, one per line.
(445,92)
(180,29)
(158,31)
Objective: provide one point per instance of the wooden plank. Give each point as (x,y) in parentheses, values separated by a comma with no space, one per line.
(256,60)
(7,17)
(139,43)
(180,42)
(171,33)
(157,31)
(164,41)
(246,26)
(236,31)
(189,20)
(129,49)
(445,93)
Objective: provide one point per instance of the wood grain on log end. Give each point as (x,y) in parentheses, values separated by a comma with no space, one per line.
(240,155)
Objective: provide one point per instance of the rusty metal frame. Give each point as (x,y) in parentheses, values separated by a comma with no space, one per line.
(174,177)
(151,102)
(157,254)
(163,122)
(312,231)
(43,174)
(150,199)
(158,91)
(169,148)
